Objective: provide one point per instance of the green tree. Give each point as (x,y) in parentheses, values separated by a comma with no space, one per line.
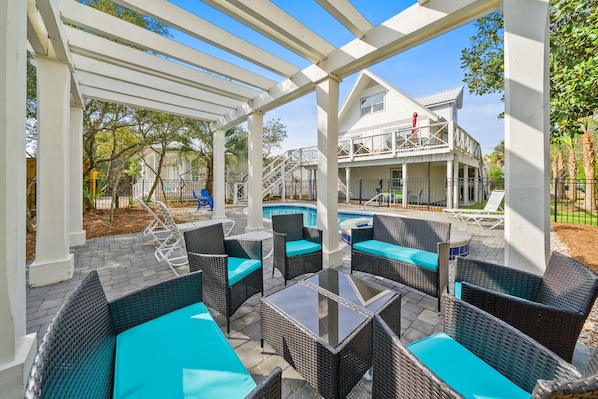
(274,134)
(573,67)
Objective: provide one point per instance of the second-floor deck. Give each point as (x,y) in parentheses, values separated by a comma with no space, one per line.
(396,142)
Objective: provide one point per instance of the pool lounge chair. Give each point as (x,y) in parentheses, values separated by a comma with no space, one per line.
(492,208)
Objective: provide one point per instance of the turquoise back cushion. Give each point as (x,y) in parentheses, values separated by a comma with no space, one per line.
(465,372)
(417,257)
(302,247)
(241,267)
(182,354)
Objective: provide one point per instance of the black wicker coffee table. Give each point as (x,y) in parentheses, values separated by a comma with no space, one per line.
(323,327)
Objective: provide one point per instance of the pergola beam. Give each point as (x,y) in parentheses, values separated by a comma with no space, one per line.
(110,26)
(99,48)
(345,13)
(182,89)
(313,48)
(184,21)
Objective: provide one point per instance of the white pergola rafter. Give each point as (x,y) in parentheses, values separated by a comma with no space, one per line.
(345,13)
(186,22)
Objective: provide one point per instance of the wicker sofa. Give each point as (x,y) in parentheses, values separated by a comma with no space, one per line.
(478,355)
(551,308)
(413,252)
(155,342)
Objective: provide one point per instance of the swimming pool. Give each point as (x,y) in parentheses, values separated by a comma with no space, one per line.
(309,213)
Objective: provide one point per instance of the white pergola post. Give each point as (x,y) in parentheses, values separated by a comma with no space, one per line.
(327,183)
(218,195)
(53,262)
(77,234)
(527,132)
(16,348)
(255,124)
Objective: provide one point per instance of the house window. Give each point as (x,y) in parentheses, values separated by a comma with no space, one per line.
(396,178)
(372,104)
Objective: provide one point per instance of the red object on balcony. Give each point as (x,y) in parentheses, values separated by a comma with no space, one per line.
(414,123)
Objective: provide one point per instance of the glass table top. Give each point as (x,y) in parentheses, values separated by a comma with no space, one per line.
(359,292)
(330,320)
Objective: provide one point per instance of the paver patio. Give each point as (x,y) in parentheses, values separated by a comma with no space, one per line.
(126,262)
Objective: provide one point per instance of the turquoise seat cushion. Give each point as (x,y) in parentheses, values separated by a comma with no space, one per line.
(465,372)
(238,268)
(302,247)
(458,289)
(182,354)
(428,260)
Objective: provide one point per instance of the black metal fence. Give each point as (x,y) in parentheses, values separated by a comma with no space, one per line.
(574,201)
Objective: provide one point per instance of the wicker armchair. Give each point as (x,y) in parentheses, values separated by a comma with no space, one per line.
(400,373)
(551,308)
(77,356)
(288,230)
(227,284)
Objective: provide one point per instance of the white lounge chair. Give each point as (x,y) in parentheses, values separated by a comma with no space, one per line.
(156,227)
(172,249)
(492,207)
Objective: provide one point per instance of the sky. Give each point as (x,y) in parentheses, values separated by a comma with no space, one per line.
(426,69)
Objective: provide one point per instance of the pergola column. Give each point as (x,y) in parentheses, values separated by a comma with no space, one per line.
(77,234)
(327,93)
(53,262)
(218,195)
(527,132)
(16,349)
(255,124)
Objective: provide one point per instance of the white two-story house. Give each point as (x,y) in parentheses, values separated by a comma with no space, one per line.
(412,149)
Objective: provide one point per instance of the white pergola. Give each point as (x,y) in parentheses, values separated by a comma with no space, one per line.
(73,64)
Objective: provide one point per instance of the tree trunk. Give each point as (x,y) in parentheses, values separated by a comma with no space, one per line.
(589,166)
(572,166)
(560,174)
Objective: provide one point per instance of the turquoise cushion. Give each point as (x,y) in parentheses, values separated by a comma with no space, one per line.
(302,247)
(458,289)
(241,267)
(465,372)
(182,354)
(414,256)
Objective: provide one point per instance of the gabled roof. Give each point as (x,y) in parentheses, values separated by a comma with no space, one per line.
(365,79)
(447,96)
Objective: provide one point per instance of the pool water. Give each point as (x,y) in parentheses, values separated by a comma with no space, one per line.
(309,214)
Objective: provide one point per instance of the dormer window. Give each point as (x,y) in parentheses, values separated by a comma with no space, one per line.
(372,103)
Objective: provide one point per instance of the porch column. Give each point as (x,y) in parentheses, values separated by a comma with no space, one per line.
(404,181)
(347,184)
(456,184)
(527,223)
(255,124)
(465,184)
(77,234)
(53,262)
(476,185)
(327,183)
(218,195)
(449,185)
(17,350)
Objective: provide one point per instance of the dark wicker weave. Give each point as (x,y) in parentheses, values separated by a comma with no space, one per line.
(77,355)
(208,251)
(287,228)
(555,305)
(399,374)
(425,235)
(333,371)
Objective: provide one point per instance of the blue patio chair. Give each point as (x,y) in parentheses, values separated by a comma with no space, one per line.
(204,200)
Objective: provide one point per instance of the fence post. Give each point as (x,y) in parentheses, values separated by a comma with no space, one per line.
(556,196)
(360,187)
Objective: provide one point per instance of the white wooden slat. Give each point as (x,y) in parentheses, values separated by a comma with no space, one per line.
(102,49)
(344,12)
(191,24)
(120,98)
(265,29)
(101,22)
(102,82)
(183,89)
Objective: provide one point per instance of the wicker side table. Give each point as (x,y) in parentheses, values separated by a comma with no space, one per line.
(322,335)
